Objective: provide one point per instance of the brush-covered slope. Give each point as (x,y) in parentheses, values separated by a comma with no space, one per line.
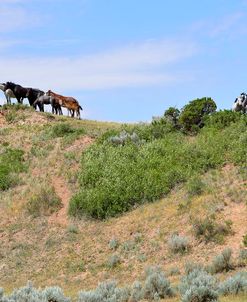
(196,185)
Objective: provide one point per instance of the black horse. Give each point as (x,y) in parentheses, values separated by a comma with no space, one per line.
(19,91)
(32,95)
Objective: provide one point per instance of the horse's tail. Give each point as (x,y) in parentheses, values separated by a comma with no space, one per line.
(80,107)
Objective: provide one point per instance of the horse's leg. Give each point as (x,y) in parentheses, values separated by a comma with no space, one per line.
(54,109)
(6,97)
(40,106)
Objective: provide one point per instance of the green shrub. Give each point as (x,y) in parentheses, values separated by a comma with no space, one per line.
(44,202)
(11,163)
(161,126)
(138,133)
(72,228)
(30,294)
(208,229)
(157,286)
(136,292)
(234,285)
(192,266)
(64,129)
(195,186)
(114,179)
(113,244)
(172,114)
(123,138)
(198,286)
(107,134)
(178,244)
(223,118)
(193,114)
(128,246)
(105,292)
(222,262)
(242,258)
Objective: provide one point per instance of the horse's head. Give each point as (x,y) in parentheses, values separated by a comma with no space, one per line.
(48,93)
(9,85)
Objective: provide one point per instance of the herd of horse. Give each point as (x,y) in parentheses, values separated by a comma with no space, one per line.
(39,98)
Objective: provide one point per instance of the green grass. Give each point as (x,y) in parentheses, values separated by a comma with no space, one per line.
(11,163)
(113,179)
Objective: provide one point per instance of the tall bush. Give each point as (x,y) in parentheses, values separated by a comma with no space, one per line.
(192,115)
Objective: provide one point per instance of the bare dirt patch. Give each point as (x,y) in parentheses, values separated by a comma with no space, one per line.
(237,213)
(80,143)
(35,118)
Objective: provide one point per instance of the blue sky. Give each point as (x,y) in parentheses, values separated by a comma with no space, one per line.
(126,60)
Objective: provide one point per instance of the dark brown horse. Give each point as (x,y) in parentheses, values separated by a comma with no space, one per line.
(68,102)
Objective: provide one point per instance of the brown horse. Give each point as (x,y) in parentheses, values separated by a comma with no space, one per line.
(68,102)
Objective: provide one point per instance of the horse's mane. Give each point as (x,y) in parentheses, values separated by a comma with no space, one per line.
(11,83)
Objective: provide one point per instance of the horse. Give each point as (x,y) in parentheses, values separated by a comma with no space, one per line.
(68,102)
(32,95)
(48,100)
(19,91)
(240,103)
(8,93)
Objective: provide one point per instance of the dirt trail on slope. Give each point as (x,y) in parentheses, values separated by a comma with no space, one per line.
(64,194)
(61,187)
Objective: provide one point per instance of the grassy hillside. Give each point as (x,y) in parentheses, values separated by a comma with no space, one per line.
(196,185)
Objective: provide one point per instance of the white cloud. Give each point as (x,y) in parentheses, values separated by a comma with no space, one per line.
(11,19)
(226,24)
(230,26)
(14,15)
(134,65)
